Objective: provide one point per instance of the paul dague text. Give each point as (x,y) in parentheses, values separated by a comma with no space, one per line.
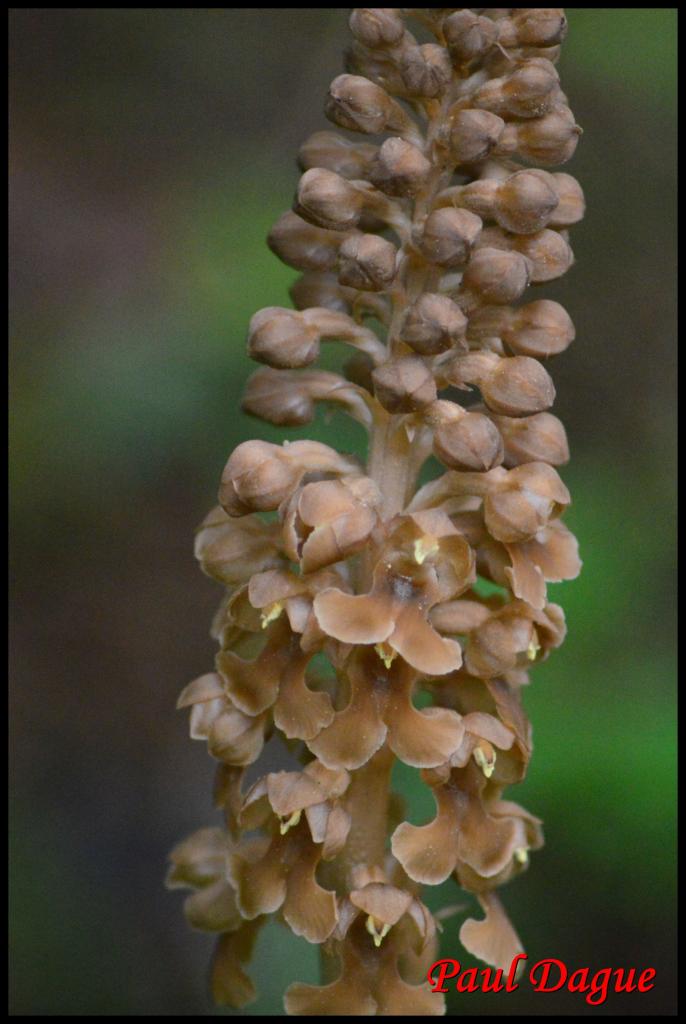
(545,976)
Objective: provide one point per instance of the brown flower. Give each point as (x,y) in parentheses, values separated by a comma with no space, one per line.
(469,829)
(282,876)
(381,709)
(232,736)
(393,613)
(276,680)
(259,475)
(550,556)
(512,637)
(326,521)
(199,863)
(231,550)
(288,397)
(369,984)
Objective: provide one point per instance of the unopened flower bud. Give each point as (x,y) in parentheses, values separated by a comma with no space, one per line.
(571,204)
(471,442)
(548,252)
(471,135)
(400,169)
(320,289)
(496,276)
(426,70)
(302,245)
(256,478)
(529,91)
(326,199)
(260,475)
(433,324)
(523,203)
(404,385)
(288,398)
(518,386)
(287,338)
(377,27)
(547,140)
(350,159)
(539,26)
(280,337)
(537,438)
(542,328)
(468,35)
(526,500)
(265,396)
(361,106)
(378,66)
(512,386)
(448,236)
(367,262)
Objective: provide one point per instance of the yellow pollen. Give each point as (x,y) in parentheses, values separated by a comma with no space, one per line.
(521,855)
(485,763)
(378,934)
(386,653)
(424,547)
(533,648)
(272,613)
(289,822)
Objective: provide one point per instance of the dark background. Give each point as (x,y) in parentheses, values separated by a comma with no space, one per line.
(150,152)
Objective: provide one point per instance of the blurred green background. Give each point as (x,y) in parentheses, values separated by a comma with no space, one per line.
(150,152)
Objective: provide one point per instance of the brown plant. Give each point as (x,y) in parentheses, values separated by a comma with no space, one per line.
(414,250)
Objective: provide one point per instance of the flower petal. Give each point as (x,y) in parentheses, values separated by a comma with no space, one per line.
(252,685)
(555,551)
(293,791)
(396,998)
(204,715)
(348,996)
(356,732)
(485,843)
(198,860)
(329,826)
(207,687)
(524,577)
(231,986)
(355,619)
(300,713)
(381,901)
(309,909)
(337,539)
(260,884)
(458,617)
(418,643)
(213,909)
(231,550)
(236,738)
(488,727)
(422,739)
(428,853)
(493,939)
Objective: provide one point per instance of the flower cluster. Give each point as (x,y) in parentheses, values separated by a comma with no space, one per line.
(351,591)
